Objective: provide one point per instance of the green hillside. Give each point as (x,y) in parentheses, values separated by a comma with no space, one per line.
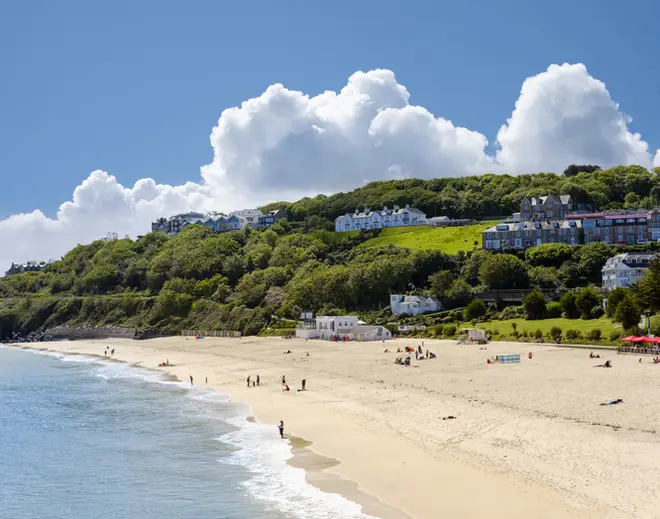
(261,279)
(449,240)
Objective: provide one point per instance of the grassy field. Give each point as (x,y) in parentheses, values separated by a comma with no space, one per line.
(450,240)
(504,327)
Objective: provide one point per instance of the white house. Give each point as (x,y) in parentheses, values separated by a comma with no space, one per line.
(626,269)
(250,217)
(369,219)
(413,305)
(343,327)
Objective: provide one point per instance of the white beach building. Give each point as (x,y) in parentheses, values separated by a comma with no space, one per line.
(344,327)
(624,270)
(369,219)
(413,305)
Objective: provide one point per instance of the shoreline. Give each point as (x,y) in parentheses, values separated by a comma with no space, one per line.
(302,457)
(394,466)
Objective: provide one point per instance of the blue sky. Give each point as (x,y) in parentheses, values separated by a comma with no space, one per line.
(134,88)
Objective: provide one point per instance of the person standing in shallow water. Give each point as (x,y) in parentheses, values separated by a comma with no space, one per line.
(248,380)
(281,428)
(191,380)
(258,380)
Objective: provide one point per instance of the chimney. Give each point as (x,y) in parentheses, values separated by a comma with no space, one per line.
(367,210)
(384,208)
(357,211)
(396,207)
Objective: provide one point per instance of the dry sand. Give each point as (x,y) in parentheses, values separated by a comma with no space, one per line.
(529,441)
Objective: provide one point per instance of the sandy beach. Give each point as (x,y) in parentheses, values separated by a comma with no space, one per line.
(529,439)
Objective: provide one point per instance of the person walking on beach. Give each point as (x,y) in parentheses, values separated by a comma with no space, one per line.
(112,352)
(281,428)
(191,380)
(303,384)
(258,380)
(206,380)
(248,380)
(283,380)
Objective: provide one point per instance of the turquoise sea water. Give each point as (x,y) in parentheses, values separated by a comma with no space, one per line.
(86,439)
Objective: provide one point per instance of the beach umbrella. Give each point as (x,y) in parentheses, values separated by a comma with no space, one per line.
(637,339)
(627,339)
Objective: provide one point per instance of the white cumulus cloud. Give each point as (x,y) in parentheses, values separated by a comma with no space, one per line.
(99,205)
(565,116)
(285,144)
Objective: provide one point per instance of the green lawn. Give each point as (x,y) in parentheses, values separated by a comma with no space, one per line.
(504,327)
(450,240)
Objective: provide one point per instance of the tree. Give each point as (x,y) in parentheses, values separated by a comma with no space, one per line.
(476,309)
(553,310)
(632,201)
(549,254)
(440,283)
(614,297)
(544,277)
(586,300)
(646,292)
(574,169)
(555,332)
(459,293)
(627,313)
(503,271)
(470,270)
(591,259)
(569,305)
(534,305)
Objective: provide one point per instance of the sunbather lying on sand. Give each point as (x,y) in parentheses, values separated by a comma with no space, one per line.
(613,402)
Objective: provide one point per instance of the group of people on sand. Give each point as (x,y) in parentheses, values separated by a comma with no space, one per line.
(419,355)
(285,386)
(655,360)
(253,383)
(108,350)
(165,364)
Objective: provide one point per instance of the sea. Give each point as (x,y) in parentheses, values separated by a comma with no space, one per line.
(91,439)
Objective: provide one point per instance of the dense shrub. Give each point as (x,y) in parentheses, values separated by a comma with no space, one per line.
(538,333)
(512,312)
(586,300)
(555,332)
(569,305)
(615,335)
(594,334)
(553,310)
(613,299)
(449,330)
(627,313)
(534,305)
(476,309)
(572,335)
(597,312)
